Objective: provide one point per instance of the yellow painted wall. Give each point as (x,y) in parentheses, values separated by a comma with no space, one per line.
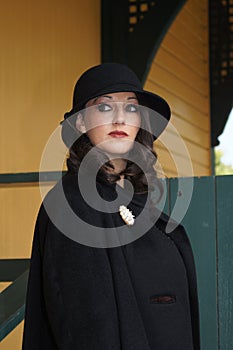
(45,46)
(180,73)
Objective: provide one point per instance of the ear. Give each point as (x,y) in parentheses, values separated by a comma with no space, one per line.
(80,123)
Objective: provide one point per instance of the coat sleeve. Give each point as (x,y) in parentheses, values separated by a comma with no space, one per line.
(181,240)
(37,333)
(70,297)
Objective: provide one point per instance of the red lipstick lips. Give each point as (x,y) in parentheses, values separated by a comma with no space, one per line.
(118,133)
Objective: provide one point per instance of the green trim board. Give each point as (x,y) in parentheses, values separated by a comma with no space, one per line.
(144,24)
(199,222)
(33,177)
(224,202)
(221,65)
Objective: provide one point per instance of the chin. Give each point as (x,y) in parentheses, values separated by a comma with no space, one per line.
(119,149)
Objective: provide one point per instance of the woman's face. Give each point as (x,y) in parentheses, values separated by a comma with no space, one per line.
(112,122)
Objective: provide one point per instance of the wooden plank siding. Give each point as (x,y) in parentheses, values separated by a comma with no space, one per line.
(45,46)
(180,73)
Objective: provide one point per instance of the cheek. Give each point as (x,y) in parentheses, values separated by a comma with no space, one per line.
(96,135)
(95,121)
(135,129)
(136,122)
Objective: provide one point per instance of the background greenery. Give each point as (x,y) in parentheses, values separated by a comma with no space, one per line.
(220,167)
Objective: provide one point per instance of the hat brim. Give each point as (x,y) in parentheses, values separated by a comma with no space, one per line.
(146,98)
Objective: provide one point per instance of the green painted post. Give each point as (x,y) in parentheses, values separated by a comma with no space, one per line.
(200,225)
(163,202)
(224,190)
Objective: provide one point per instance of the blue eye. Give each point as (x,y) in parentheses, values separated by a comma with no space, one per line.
(104,107)
(132,108)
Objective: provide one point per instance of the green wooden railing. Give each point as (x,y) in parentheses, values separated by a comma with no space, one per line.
(209,224)
(12,299)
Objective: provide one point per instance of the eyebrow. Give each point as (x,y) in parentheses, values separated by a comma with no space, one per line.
(132,98)
(101,96)
(110,97)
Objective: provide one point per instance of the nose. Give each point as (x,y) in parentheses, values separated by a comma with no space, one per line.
(119,115)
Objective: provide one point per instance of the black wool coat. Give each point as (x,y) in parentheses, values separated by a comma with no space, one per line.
(138,296)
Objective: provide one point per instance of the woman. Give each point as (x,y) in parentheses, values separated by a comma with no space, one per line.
(104,274)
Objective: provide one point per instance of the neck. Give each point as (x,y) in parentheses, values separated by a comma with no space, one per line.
(119,165)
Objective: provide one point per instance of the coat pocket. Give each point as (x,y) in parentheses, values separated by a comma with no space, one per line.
(162,299)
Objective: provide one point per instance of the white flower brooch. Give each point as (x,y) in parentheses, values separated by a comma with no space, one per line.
(126,215)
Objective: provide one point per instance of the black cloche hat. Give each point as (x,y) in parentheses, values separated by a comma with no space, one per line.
(114,77)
